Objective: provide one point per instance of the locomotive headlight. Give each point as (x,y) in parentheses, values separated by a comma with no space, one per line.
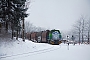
(52,40)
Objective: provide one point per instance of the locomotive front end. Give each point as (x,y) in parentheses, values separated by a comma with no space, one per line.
(55,37)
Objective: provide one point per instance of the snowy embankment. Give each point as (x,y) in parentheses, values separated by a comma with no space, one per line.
(18,47)
(19,50)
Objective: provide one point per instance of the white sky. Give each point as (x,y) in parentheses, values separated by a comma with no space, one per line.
(57,14)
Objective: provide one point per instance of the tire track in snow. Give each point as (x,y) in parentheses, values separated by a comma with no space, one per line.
(25,53)
(53,48)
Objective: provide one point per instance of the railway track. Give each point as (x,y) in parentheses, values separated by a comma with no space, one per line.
(31,53)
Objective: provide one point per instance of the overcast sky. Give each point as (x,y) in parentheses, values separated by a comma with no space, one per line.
(57,14)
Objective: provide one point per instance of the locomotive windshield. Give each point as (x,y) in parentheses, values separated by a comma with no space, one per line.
(55,35)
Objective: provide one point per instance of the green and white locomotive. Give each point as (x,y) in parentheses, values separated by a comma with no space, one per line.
(54,37)
(48,36)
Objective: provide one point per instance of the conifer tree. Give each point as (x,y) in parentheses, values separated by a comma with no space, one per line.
(12,11)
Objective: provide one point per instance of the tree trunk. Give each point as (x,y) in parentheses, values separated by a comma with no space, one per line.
(12,33)
(17,35)
(6,27)
(82,38)
(23,29)
(12,29)
(79,38)
(82,31)
(88,37)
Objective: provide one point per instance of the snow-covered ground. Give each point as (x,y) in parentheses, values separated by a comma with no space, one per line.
(19,50)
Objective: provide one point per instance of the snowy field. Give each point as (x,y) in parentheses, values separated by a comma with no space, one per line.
(19,50)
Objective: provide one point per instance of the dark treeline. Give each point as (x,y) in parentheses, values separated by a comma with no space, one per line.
(12,12)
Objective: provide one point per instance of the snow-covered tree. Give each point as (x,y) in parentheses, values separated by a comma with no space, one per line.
(77,30)
(13,11)
(29,27)
(88,30)
(80,29)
